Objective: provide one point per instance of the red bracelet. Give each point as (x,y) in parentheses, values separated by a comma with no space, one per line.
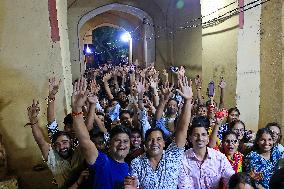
(75,114)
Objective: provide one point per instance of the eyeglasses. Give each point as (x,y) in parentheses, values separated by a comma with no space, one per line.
(231,141)
(275,133)
(238,130)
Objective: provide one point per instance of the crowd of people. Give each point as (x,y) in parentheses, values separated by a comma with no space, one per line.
(133,127)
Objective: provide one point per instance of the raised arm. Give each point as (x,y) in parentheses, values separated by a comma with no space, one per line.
(106,78)
(52,91)
(183,123)
(92,116)
(214,135)
(164,98)
(79,98)
(198,84)
(154,85)
(33,112)
(222,86)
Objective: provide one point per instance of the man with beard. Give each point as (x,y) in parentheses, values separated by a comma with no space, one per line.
(159,169)
(108,172)
(203,167)
(65,163)
(166,121)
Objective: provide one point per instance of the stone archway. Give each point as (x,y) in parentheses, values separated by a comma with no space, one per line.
(148,30)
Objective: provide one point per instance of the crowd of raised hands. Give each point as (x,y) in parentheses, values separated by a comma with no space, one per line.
(122,115)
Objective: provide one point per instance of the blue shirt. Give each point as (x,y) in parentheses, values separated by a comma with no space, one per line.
(255,161)
(108,173)
(162,124)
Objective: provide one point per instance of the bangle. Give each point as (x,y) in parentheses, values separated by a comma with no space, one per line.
(75,114)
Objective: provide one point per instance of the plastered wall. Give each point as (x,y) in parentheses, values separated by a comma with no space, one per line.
(248,68)
(187,44)
(219,49)
(28,58)
(271,87)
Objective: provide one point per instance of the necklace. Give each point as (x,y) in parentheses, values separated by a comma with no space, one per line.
(236,161)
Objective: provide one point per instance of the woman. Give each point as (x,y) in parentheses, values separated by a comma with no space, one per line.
(230,145)
(239,128)
(262,162)
(233,115)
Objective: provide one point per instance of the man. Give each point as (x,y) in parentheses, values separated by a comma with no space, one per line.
(158,168)
(275,128)
(167,122)
(126,119)
(65,163)
(203,167)
(108,172)
(52,125)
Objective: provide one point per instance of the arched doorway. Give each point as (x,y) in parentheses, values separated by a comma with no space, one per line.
(123,16)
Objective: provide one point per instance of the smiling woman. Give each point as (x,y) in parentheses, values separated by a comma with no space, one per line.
(262,162)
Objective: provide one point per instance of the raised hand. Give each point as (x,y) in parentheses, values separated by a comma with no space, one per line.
(153,83)
(198,82)
(79,95)
(130,182)
(181,71)
(142,73)
(53,87)
(94,87)
(93,99)
(185,89)
(140,85)
(222,83)
(167,91)
(107,77)
(33,111)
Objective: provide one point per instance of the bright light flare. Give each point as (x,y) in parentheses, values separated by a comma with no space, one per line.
(125,37)
(88,50)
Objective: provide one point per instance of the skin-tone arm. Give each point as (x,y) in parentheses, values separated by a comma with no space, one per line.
(154,86)
(166,94)
(33,112)
(214,136)
(222,86)
(115,80)
(79,98)
(198,84)
(166,74)
(52,90)
(140,86)
(106,78)
(92,116)
(183,123)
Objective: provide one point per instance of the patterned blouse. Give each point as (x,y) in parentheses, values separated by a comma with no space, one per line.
(265,168)
(166,174)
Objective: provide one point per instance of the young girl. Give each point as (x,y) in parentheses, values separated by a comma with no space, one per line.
(262,162)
